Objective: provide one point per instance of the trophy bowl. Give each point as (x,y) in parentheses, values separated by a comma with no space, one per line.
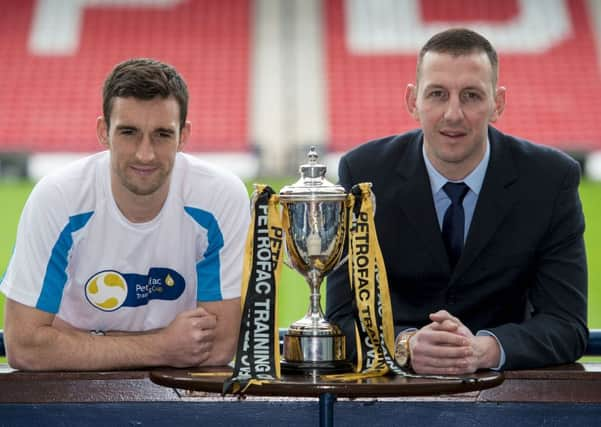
(314,218)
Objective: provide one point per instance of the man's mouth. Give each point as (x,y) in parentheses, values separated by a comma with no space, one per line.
(143,170)
(453,133)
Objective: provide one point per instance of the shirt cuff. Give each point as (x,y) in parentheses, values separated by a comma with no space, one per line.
(484,332)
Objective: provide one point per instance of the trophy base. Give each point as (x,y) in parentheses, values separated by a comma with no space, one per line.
(316,368)
(313,353)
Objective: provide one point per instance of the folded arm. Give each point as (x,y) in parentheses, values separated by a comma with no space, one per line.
(37,340)
(555,330)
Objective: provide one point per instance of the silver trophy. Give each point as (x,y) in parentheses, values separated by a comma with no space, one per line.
(314,218)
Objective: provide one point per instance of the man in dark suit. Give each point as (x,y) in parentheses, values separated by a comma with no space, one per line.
(488,271)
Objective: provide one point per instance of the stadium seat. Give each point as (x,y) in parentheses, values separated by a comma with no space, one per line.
(51,78)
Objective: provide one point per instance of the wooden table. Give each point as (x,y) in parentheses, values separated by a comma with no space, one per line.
(309,386)
(328,391)
(566,395)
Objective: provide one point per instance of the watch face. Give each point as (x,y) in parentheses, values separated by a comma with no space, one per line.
(400,354)
(401,349)
(401,359)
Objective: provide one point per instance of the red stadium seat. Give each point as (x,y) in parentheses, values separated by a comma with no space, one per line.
(554,92)
(51,92)
(51,98)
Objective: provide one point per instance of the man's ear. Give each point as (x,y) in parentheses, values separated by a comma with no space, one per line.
(102,131)
(184,136)
(499,103)
(411,100)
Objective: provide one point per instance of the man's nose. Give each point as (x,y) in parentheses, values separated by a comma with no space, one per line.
(145,150)
(454,111)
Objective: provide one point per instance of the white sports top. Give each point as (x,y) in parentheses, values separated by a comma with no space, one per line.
(76,255)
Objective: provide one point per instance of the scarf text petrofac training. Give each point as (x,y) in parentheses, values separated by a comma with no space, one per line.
(258,353)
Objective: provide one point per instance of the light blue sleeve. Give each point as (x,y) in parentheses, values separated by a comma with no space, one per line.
(484,332)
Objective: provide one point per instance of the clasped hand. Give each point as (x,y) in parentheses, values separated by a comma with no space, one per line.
(447,346)
(188,340)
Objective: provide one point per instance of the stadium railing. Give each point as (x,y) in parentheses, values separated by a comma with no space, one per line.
(593,347)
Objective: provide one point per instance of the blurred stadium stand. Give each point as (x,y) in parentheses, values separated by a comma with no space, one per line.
(56,54)
(548,61)
(270,77)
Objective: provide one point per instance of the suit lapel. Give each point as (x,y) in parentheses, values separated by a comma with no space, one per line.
(495,200)
(414,196)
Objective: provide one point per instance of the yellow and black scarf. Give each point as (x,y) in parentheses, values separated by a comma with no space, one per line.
(258,353)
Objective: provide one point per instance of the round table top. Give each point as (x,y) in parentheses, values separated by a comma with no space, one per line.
(211,380)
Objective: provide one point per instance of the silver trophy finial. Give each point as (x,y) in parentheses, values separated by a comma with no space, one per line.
(312,170)
(312,155)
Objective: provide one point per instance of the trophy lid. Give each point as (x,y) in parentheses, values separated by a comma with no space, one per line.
(312,183)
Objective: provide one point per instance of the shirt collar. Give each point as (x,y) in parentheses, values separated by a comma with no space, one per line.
(474,180)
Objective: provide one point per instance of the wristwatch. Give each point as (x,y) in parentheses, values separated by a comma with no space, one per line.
(402,351)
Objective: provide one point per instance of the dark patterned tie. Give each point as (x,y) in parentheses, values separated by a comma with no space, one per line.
(454,220)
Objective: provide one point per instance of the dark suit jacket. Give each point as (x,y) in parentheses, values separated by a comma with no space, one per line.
(522,274)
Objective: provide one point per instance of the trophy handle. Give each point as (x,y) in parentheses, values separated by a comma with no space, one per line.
(345,257)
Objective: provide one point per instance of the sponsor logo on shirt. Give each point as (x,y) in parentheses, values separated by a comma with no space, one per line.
(109,290)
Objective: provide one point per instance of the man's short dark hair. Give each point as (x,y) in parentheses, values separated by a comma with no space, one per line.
(457,42)
(144,78)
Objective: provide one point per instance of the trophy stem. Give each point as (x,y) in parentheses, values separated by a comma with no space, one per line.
(315,311)
(313,345)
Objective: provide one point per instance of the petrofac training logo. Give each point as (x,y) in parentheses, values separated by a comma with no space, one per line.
(109,290)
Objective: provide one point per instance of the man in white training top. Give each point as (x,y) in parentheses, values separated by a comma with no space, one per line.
(131,257)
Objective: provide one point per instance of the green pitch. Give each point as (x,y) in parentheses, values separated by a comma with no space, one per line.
(294,292)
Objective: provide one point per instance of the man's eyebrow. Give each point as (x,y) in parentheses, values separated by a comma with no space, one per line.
(439,86)
(434,86)
(126,127)
(166,130)
(476,88)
